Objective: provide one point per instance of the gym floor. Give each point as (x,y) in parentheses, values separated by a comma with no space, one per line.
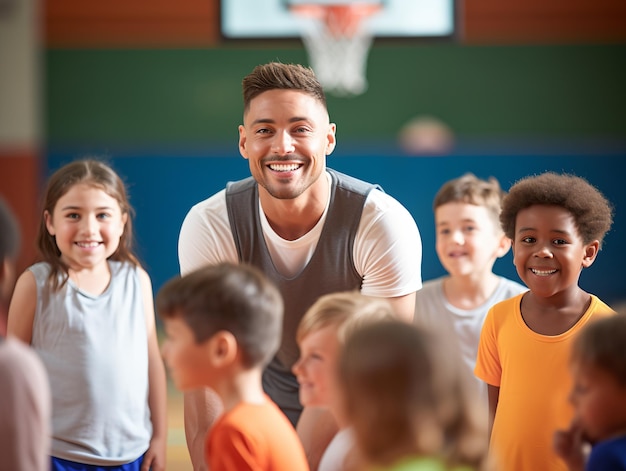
(177,454)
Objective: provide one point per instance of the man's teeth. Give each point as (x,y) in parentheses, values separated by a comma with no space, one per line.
(284,167)
(542,272)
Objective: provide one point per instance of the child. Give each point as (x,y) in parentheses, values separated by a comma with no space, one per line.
(469,240)
(320,336)
(87,310)
(557,223)
(405,395)
(223,325)
(25,405)
(598,364)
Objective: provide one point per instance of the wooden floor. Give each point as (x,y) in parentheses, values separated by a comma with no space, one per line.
(177,454)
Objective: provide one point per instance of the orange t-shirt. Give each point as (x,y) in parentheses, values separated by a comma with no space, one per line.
(532,372)
(254,437)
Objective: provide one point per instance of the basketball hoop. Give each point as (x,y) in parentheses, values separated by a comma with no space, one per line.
(337,43)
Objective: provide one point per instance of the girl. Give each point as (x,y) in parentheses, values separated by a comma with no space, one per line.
(87,309)
(403,393)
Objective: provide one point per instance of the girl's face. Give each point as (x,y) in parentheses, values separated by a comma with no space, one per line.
(548,252)
(87,224)
(468,242)
(315,369)
(600,402)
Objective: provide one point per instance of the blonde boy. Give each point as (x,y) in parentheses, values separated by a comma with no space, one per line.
(469,240)
(320,336)
(223,325)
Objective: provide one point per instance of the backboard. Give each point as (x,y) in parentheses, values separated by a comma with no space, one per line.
(265,19)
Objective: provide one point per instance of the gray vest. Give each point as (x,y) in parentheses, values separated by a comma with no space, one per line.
(331,268)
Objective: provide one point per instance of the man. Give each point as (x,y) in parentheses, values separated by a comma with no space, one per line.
(311,230)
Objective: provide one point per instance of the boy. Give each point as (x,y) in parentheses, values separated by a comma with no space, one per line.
(223,325)
(320,335)
(469,239)
(599,397)
(557,223)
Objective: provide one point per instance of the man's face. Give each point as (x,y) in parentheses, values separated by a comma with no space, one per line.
(286,137)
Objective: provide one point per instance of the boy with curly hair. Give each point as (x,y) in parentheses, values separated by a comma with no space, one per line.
(557,223)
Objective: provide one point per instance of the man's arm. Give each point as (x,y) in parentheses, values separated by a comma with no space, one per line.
(316,428)
(404,306)
(204,239)
(201,409)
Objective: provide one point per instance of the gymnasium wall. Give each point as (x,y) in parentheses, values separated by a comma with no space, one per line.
(525,88)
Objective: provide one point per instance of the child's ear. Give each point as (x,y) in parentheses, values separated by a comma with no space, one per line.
(591,251)
(48,220)
(223,348)
(503,246)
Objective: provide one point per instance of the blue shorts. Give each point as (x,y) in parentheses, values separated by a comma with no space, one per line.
(64,465)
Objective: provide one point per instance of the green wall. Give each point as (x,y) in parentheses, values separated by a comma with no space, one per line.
(188,97)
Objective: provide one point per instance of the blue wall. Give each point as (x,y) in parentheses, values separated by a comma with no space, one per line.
(163,186)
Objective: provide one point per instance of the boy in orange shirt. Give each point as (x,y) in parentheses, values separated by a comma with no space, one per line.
(223,325)
(557,223)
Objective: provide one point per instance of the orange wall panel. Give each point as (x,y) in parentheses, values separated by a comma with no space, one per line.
(138,23)
(20,180)
(538,21)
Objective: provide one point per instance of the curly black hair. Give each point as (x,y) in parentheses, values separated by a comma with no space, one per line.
(592,212)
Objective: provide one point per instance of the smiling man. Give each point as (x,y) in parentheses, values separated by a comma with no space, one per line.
(310,229)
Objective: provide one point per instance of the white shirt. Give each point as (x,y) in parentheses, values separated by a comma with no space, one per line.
(387,246)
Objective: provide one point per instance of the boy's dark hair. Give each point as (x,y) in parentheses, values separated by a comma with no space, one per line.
(592,212)
(602,344)
(279,76)
(9,233)
(472,190)
(94,173)
(235,298)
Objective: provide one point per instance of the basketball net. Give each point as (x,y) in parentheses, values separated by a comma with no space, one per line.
(337,44)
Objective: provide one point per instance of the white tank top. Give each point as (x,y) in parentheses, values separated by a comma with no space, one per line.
(95,350)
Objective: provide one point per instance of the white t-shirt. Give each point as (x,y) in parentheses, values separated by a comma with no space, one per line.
(335,454)
(433,310)
(387,246)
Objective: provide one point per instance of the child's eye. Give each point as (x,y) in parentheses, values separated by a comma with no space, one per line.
(315,356)
(72,216)
(103,215)
(469,228)
(528,240)
(444,231)
(559,242)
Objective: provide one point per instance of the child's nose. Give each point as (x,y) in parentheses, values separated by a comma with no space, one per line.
(543,251)
(457,237)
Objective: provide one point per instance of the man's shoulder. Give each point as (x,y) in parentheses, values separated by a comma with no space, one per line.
(209,207)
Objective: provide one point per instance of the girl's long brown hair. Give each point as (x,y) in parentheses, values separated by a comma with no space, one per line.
(99,175)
